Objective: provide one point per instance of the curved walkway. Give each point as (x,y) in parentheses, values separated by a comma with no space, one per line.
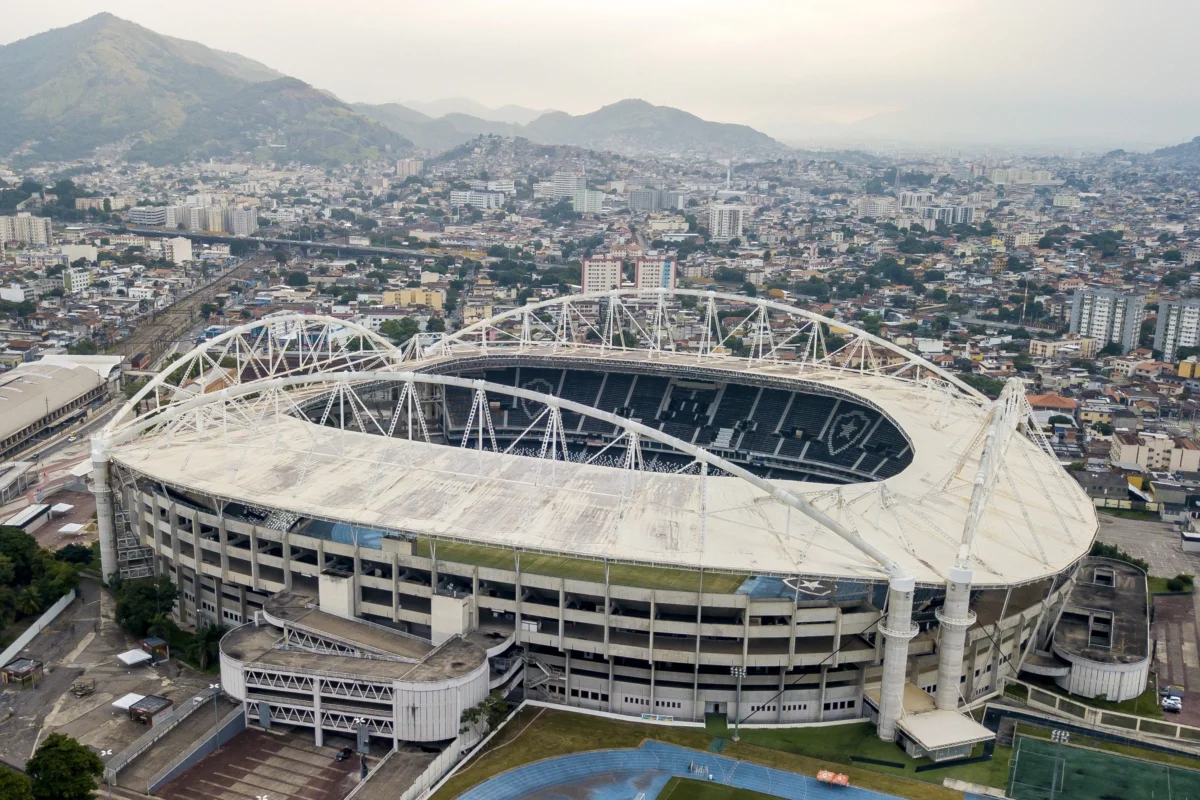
(611,774)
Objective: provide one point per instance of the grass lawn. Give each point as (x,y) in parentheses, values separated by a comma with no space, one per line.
(583,569)
(1158,585)
(1144,705)
(836,743)
(537,734)
(685,789)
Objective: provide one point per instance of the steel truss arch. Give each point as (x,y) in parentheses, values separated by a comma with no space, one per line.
(265,348)
(859,354)
(258,401)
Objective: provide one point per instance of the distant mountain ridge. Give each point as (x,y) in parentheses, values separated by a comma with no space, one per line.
(105,80)
(627,126)
(1187,150)
(518,115)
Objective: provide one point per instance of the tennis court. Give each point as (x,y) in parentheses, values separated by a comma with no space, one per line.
(1045,770)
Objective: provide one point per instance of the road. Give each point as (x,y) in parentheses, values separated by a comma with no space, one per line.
(155,336)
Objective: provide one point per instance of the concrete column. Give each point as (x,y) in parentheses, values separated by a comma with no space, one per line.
(611,700)
(287,561)
(954,618)
(395,590)
(318,733)
(898,630)
(254,558)
(105,522)
(223,540)
(821,701)
(562,611)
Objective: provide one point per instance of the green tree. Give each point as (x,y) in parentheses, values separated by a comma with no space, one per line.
(28,602)
(401,330)
(14,785)
(202,650)
(63,769)
(143,602)
(84,347)
(436,325)
(297,278)
(491,711)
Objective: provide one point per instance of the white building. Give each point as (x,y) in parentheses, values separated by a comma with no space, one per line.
(177,250)
(1178,326)
(876,206)
(27,229)
(566,184)
(1108,316)
(1067,201)
(601,274)
(725,222)
(655,272)
(586,201)
(477,199)
(241,221)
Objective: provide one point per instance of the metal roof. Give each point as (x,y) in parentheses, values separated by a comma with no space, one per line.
(31,391)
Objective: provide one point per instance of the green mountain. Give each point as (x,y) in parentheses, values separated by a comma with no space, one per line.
(66,91)
(629,126)
(1189,151)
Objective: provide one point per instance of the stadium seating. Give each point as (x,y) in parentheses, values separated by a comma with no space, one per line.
(773,431)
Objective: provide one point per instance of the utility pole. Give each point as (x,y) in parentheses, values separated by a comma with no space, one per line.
(739,673)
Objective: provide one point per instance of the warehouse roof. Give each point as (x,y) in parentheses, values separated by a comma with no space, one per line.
(30,391)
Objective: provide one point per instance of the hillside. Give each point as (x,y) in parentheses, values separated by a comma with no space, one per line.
(630,126)
(518,115)
(104,80)
(1189,151)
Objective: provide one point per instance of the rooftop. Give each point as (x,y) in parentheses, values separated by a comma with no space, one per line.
(30,391)
(1106,618)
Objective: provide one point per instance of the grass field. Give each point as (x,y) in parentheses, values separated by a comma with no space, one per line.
(1133,751)
(685,789)
(1144,705)
(537,734)
(1044,770)
(583,569)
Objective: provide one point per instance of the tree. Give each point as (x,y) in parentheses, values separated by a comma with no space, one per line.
(203,648)
(436,325)
(28,602)
(14,785)
(84,347)
(208,309)
(1060,419)
(75,554)
(297,278)
(63,769)
(1111,349)
(401,330)
(143,603)
(492,710)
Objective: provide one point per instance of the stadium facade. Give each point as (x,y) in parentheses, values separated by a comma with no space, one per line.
(672,503)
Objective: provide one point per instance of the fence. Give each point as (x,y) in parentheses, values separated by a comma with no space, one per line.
(45,619)
(1126,723)
(180,713)
(230,725)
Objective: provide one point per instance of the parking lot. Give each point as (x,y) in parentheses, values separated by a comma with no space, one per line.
(1155,542)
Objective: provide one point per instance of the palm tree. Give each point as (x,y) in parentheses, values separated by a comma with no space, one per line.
(28,601)
(204,646)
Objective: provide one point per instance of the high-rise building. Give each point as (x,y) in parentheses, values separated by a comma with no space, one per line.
(645,200)
(914,199)
(601,274)
(951,215)
(27,229)
(725,222)
(655,272)
(477,199)
(872,206)
(408,167)
(566,184)
(1178,326)
(587,201)
(1108,316)
(241,221)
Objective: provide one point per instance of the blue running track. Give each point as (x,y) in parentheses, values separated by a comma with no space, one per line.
(623,774)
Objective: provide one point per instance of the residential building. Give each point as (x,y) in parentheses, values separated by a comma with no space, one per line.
(1067,347)
(725,222)
(432,298)
(655,272)
(566,184)
(76,280)
(1024,239)
(477,199)
(241,221)
(177,250)
(1067,201)
(1108,316)
(876,206)
(601,274)
(1155,452)
(26,229)
(408,167)
(951,215)
(587,201)
(1178,326)
(915,200)
(644,200)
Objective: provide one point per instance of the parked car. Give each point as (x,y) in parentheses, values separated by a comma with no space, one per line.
(344,753)
(1172,704)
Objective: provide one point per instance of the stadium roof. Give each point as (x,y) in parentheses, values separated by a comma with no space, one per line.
(1036,523)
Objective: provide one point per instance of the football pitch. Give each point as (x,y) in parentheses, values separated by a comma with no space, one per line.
(1044,770)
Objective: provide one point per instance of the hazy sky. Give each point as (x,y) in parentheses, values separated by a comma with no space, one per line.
(1090,71)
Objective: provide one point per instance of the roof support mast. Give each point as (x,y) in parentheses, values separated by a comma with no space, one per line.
(955,616)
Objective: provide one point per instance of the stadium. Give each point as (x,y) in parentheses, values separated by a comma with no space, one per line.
(670,502)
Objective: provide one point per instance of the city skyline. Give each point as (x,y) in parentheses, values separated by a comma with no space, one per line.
(983,73)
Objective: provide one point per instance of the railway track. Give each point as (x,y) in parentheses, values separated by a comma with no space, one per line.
(167,325)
